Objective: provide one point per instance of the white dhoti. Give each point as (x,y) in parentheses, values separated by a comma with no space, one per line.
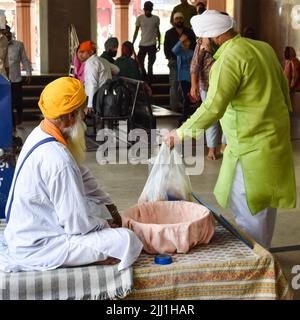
(261,226)
(120,243)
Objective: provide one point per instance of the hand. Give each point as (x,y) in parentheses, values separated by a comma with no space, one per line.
(171,139)
(116,218)
(195,93)
(183,37)
(113,225)
(158,48)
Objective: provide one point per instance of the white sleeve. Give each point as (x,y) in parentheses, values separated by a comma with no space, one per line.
(74,212)
(92,74)
(92,189)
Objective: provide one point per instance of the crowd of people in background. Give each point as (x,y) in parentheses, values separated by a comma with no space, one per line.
(189,62)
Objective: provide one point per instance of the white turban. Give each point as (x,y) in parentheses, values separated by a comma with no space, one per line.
(211,23)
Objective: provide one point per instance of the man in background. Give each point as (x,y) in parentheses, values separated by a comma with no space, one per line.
(96,71)
(171,38)
(187,10)
(16,57)
(150,36)
(111,46)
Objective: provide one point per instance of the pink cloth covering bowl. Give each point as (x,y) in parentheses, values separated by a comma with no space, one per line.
(169,227)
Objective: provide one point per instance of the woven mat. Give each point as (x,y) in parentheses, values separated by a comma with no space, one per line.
(224,269)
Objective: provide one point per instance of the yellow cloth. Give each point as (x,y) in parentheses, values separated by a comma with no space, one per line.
(62,96)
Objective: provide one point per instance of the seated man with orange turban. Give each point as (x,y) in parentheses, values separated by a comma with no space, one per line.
(56,213)
(97,70)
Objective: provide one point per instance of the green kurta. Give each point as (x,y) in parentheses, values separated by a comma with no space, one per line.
(249,93)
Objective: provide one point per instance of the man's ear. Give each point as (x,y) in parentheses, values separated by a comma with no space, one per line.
(69,119)
(72,117)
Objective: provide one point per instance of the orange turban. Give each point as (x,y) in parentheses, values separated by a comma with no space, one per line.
(62,96)
(87,46)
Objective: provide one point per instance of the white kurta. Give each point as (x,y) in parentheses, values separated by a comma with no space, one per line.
(57,204)
(96,72)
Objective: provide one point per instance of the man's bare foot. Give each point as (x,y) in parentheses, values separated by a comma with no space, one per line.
(212,154)
(108,261)
(223,147)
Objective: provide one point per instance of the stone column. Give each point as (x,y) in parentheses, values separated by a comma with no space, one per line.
(121,20)
(24,26)
(219,5)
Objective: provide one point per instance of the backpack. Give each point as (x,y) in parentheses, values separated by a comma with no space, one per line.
(113,99)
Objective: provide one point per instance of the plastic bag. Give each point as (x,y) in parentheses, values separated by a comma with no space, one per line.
(167,180)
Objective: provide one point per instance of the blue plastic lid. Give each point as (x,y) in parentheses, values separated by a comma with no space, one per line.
(163,259)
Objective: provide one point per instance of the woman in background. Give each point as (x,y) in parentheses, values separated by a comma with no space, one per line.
(292,68)
(128,66)
(78,65)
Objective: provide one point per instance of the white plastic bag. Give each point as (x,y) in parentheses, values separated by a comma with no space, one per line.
(167,180)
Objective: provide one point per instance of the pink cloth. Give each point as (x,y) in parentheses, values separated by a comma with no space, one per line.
(169,227)
(79,68)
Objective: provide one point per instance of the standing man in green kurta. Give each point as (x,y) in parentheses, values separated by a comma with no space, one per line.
(249,94)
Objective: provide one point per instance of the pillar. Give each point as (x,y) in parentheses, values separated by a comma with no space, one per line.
(56,16)
(25,28)
(121,19)
(219,5)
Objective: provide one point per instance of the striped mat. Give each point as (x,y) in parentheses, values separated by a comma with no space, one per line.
(80,283)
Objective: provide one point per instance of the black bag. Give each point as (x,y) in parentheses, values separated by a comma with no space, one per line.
(113,99)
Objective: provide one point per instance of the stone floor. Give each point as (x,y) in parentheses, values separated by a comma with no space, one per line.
(125,184)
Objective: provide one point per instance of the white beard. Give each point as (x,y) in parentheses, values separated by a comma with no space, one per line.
(76,140)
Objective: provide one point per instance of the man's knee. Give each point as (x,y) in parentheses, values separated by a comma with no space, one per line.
(127,234)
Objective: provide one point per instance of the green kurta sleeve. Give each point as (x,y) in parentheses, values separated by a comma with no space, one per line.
(224,81)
